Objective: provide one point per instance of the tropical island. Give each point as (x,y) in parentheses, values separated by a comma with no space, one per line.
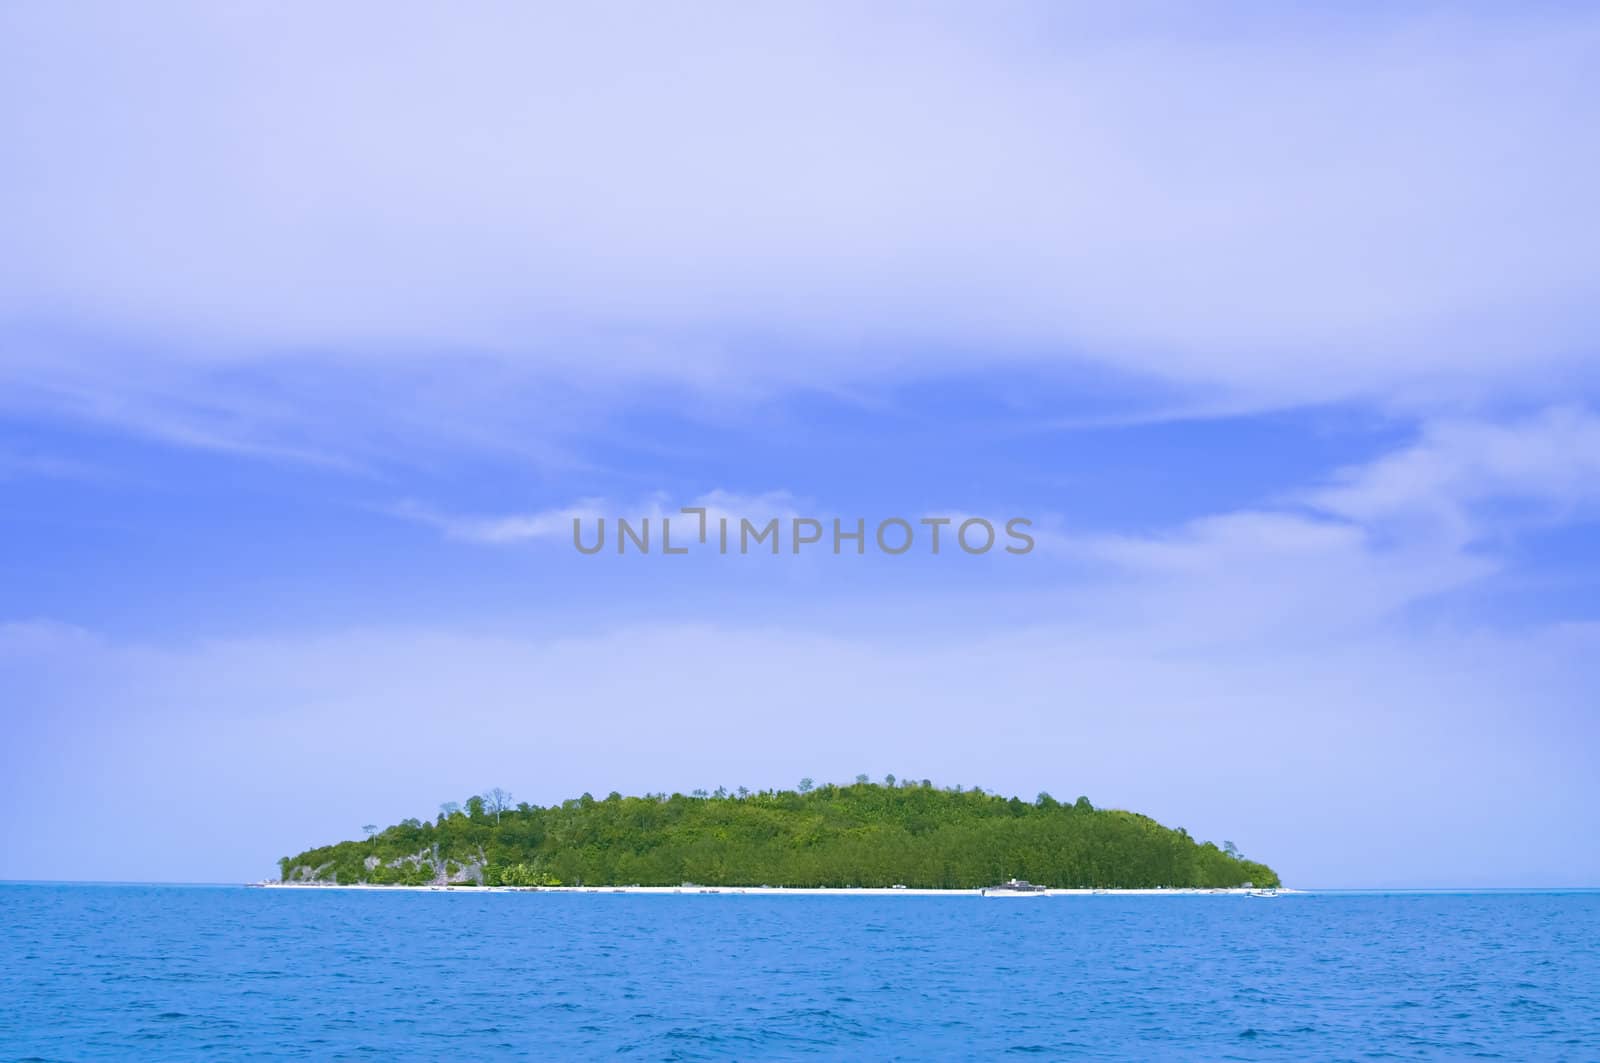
(890,834)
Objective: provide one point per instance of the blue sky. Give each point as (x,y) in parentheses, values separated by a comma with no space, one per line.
(315,329)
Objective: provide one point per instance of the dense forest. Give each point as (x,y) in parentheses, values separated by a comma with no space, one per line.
(864,834)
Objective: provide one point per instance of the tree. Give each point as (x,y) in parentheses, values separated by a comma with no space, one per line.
(700,792)
(720,793)
(475,807)
(832,836)
(806,785)
(497,801)
(862,779)
(448,809)
(371,829)
(888,780)
(744,792)
(1082,804)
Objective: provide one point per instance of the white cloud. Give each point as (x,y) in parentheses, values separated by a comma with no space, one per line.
(33,464)
(1429,518)
(1292,578)
(1392,207)
(556,524)
(32,637)
(512,528)
(1551,460)
(1326,762)
(1250,675)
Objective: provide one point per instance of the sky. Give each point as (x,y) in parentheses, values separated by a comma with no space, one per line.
(319,326)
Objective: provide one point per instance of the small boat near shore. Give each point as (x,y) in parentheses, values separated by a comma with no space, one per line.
(1014,887)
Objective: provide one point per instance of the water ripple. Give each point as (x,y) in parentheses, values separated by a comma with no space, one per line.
(99,972)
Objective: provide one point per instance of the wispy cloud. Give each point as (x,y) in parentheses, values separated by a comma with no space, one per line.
(1429,518)
(1303,754)
(1388,206)
(556,524)
(509,528)
(1457,467)
(1253,651)
(1366,543)
(31,464)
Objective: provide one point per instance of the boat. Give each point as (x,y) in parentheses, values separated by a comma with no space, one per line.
(1014,887)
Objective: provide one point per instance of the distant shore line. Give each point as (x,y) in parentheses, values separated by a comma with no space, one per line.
(782,891)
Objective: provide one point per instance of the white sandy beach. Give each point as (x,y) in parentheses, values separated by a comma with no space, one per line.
(779,891)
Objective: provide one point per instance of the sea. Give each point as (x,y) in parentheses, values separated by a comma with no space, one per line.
(224,973)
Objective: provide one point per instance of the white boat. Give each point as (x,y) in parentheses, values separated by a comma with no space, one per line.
(1014,887)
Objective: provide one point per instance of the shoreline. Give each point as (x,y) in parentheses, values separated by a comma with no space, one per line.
(786,891)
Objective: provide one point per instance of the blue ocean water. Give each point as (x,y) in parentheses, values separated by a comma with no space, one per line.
(192,973)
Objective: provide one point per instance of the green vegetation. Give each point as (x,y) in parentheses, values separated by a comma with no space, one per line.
(863,834)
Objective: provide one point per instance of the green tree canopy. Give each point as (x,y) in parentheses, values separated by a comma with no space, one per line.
(860,835)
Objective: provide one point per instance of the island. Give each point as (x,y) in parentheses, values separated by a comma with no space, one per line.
(892,834)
